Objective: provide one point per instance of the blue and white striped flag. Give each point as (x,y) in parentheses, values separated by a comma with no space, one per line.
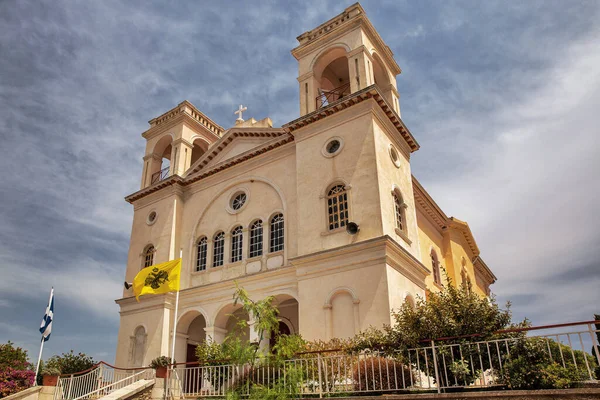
(46,327)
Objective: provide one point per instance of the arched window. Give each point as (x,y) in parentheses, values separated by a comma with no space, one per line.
(202,249)
(276,239)
(236,244)
(399,211)
(256,239)
(337,207)
(435,266)
(149,256)
(218,249)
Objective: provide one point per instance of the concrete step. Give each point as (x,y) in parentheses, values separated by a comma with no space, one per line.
(130,390)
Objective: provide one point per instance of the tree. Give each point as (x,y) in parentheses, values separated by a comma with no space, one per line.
(71,363)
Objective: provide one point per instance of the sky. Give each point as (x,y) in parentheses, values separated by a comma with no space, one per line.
(502,96)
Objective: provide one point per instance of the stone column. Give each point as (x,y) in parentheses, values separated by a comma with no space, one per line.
(360,69)
(308,93)
(181,156)
(215,334)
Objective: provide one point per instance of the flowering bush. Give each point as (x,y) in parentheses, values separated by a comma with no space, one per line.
(14,380)
(15,370)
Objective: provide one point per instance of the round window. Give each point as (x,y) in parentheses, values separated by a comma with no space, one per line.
(394,156)
(151,218)
(333,146)
(238,201)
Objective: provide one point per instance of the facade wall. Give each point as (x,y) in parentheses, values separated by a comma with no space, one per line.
(354,167)
(431,238)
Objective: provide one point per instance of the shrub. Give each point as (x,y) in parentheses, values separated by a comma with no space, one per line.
(13,357)
(14,380)
(531,367)
(376,373)
(161,362)
(50,371)
(15,370)
(71,363)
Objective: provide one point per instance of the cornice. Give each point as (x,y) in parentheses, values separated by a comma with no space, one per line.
(370,92)
(484,270)
(227,139)
(179,181)
(464,228)
(188,109)
(352,17)
(428,205)
(371,252)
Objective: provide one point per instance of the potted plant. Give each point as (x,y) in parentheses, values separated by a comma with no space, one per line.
(50,376)
(160,364)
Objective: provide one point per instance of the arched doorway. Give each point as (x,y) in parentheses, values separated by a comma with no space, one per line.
(287,307)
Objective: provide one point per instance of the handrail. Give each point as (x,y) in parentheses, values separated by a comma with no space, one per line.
(93,367)
(104,388)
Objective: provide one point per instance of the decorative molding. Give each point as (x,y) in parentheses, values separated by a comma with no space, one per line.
(370,92)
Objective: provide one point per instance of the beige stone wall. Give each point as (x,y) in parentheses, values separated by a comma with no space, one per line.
(354,167)
(395,178)
(430,238)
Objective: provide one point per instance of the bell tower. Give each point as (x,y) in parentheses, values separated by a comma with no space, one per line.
(175,140)
(341,57)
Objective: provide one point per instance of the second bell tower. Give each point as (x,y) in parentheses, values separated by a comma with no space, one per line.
(343,56)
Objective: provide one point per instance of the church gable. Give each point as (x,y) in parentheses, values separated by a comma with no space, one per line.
(235,142)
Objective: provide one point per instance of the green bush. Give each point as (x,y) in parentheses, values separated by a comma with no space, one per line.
(14,357)
(161,362)
(376,373)
(71,363)
(530,366)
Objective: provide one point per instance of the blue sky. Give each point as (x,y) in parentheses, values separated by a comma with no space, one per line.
(502,96)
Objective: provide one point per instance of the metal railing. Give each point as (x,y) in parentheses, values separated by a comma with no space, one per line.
(437,365)
(98,381)
(327,97)
(160,175)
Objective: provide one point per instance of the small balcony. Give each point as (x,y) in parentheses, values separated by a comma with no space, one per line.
(326,97)
(159,176)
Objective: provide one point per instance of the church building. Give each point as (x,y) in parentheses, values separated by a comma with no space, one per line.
(323,213)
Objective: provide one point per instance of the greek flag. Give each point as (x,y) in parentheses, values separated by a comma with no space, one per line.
(46,326)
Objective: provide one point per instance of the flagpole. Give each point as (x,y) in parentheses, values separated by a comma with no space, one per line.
(175,325)
(37,367)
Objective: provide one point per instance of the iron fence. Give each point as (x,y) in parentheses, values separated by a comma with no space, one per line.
(436,366)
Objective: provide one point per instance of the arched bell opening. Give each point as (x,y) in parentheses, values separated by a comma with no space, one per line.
(161,160)
(332,76)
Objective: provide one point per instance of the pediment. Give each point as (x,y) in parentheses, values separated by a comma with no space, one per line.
(235,142)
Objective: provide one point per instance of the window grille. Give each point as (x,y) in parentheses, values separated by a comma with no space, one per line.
(276,239)
(435,266)
(202,249)
(218,249)
(149,256)
(256,239)
(236,244)
(337,207)
(399,209)
(238,201)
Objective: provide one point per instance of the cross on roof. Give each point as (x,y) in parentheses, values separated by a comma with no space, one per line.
(239,112)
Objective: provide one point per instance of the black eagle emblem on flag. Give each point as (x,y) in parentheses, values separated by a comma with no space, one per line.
(156,278)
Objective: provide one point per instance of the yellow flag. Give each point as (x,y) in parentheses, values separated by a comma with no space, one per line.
(158,279)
